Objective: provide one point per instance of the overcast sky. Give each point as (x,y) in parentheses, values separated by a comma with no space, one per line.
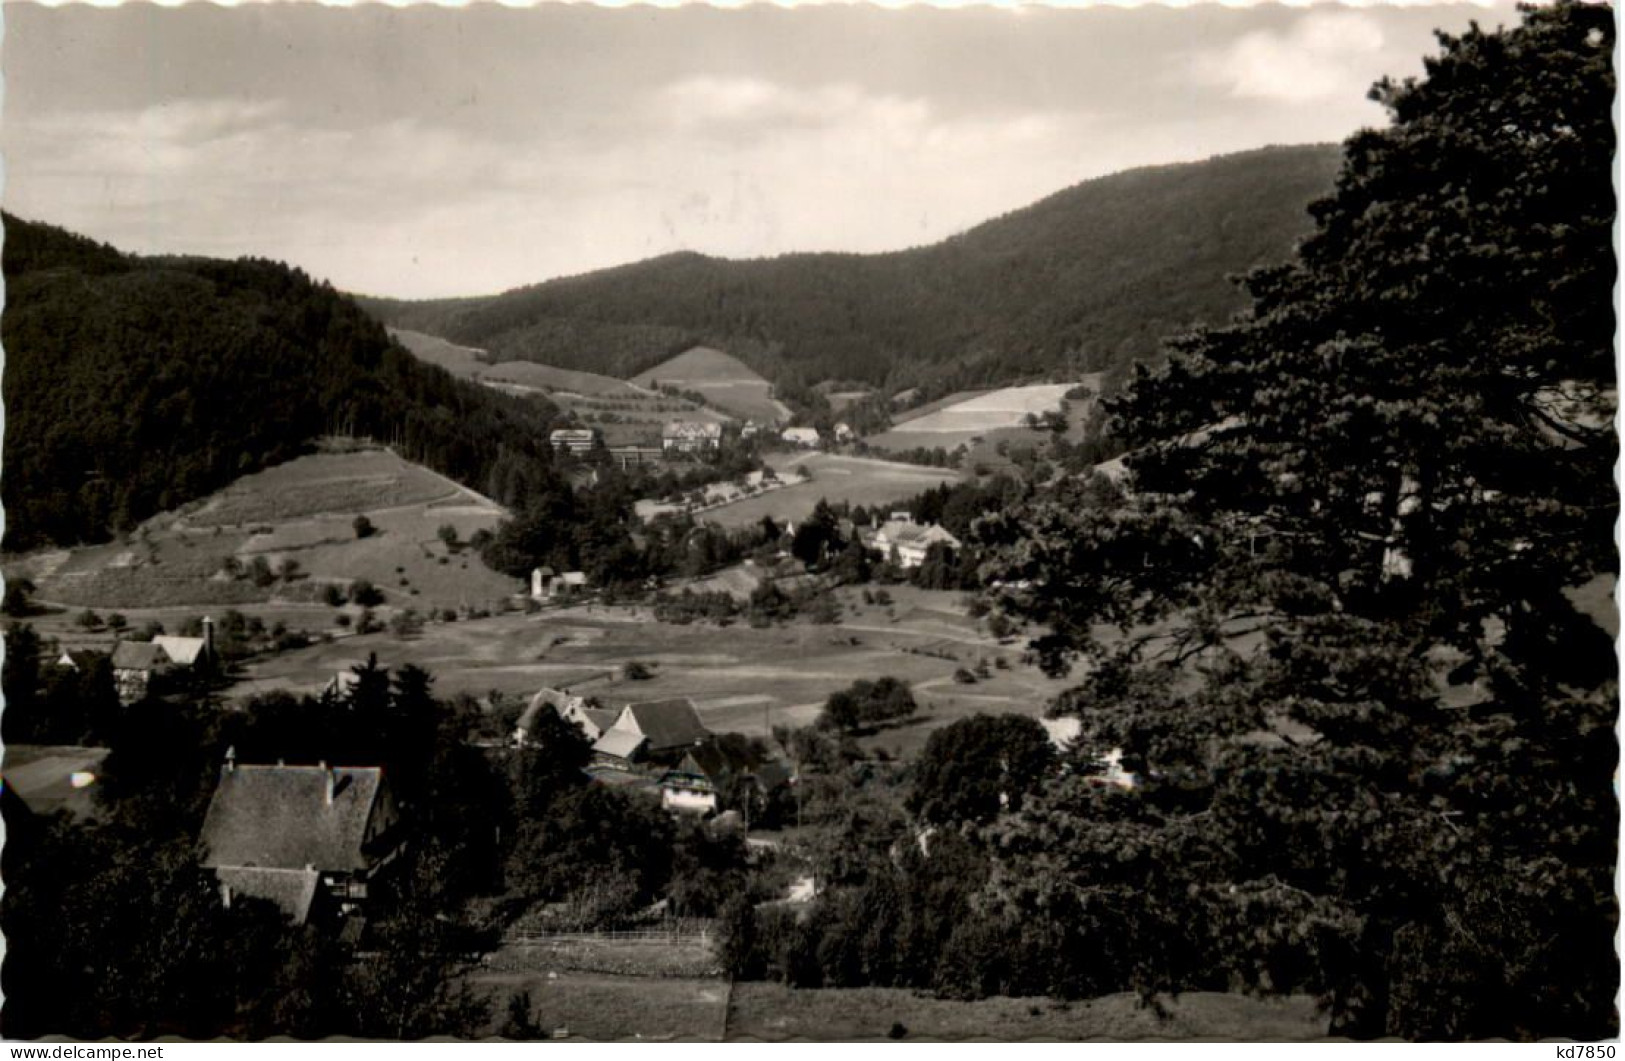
(426,151)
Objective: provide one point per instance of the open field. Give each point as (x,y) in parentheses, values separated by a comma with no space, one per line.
(920,412)
(599,1008)
(859,480)
(461,361)
(726,382)
(775,1012)
(547,378)
(324,483)
(1005,407)
(301,511)
(467,363)
(981,420)
(741,679)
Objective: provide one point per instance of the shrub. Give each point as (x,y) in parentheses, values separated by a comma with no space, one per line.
(636,671)
(365,594)
(363,527)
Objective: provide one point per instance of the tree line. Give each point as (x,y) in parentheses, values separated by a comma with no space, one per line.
(134,385)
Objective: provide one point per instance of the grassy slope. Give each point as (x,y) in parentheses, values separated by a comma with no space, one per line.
(301,510)
(775,1012)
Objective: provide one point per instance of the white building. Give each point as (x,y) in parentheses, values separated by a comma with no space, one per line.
(910,540)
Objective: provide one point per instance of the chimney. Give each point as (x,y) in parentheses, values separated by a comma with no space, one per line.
(231,758)
(327,783)
(208,636)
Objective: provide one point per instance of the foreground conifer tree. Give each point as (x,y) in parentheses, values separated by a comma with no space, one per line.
(1374,731)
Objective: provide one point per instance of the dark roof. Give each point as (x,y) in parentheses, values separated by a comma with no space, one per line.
(668,723)
(49,778)
(292,890)
(139,655)
(715,761)
(279,817)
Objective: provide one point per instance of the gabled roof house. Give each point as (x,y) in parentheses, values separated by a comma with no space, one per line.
(303,837)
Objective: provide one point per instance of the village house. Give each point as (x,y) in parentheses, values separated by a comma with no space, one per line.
(545,585)
(652,731)
(803,437)
(311,839)
(691,436)
(844,432)
(573,440)
(137,663)
(910,541)
(576,710)
(695,784)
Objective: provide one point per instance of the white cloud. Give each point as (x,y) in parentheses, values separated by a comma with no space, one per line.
(1324,55)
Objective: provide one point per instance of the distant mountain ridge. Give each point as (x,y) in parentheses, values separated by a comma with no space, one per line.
(1091,278)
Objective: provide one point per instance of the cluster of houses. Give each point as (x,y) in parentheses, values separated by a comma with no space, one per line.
(137,663)
(660,746)
(687,437)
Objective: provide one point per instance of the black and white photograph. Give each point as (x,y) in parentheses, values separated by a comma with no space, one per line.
(809,523)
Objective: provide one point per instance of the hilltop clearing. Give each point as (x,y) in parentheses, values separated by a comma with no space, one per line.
(301,513)
(722,379)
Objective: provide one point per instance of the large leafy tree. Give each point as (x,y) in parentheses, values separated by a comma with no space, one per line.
(1334,621)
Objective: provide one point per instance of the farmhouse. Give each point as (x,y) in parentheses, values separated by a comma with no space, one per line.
(577,710)
(545,585)
(575,440)
(311,839)
(690,436)
(804,437)
(910,540)
(695,783)
(135,663)
(655,730)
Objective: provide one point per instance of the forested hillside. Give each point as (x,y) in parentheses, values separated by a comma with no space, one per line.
(133,385)
(1089,279)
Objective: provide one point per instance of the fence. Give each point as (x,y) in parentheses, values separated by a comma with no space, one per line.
(692,933)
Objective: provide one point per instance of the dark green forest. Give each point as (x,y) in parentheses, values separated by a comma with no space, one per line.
(1089,279)
(133,385)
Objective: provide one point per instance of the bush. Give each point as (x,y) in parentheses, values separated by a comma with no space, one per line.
(363,527)
(865,703)
(964,677)
(332,595)
(637,671)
